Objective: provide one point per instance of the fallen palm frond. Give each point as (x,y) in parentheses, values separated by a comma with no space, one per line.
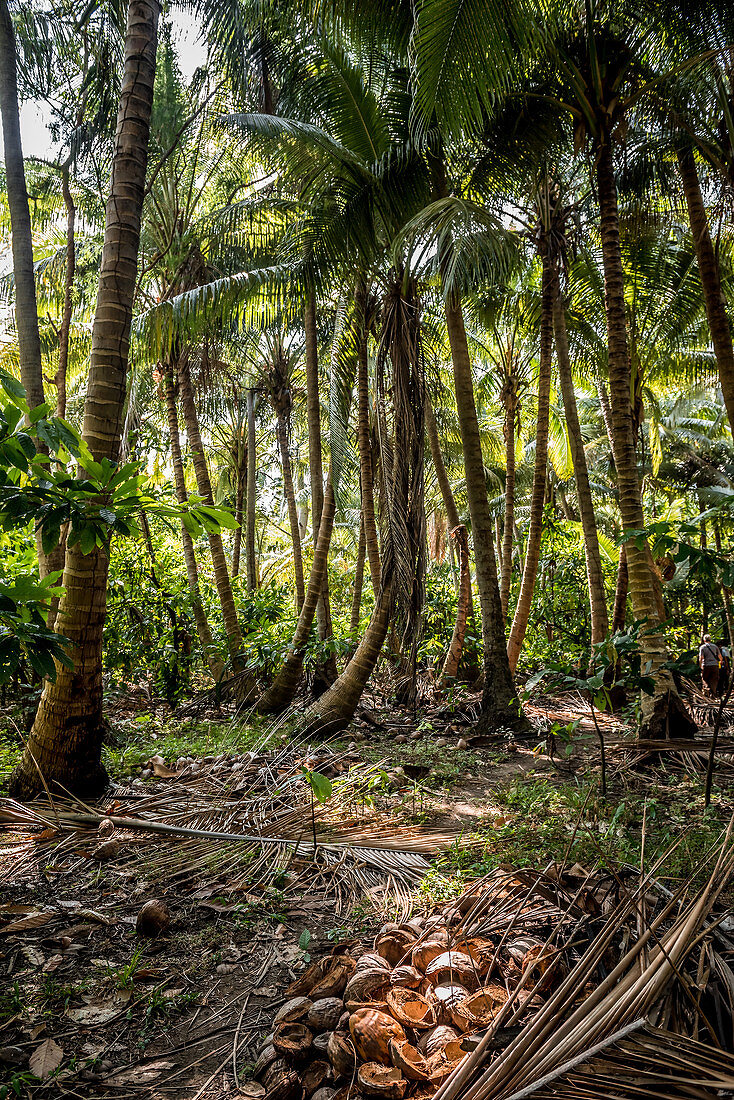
(236,824)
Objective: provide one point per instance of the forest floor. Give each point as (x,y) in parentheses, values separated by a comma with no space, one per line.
(97,1010)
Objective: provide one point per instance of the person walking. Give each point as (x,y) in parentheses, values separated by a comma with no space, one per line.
(710,661)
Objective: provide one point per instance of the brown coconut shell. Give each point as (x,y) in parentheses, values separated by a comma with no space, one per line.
(424,953)
(481,951)
(153,919)
(406,975)
(265,1058)
(448,997)
(314,1076)
(335,979)
(305,982)
(324,1014)
(452,968)
(395,946)
(366,985)
(342,1054)
(440,1068)
(432,1042)
(321,1042)
(411,1008)
(371,961)
(293,1011)
(385,1082)
(292,1041)
(408,1059)
(281,1081)
(372,1031)
(480,1008)
(324,1094)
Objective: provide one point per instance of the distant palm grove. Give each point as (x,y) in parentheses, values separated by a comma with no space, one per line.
(391,346)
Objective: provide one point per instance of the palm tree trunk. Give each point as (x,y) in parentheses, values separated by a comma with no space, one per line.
(203,629)
(26,308)
(449,503)
(594,573)
(619,612)
(239,508)
(366,472)
(506,554)
(251,503)
(65,327)
(709,271)
(327,671)
(500,704)
(537,500)
(456,646)
(280,693)
(663,713)
(66,740)
(281,432)
(235,643)
(334,710)
(358,581)
(725,592)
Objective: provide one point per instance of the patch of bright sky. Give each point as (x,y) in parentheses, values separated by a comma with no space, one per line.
(34,116)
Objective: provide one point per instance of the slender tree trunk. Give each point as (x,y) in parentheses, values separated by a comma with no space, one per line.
(619,613)
(456,646)
(281,432)
(537,501)
(235,643)
(280,693)
(203,629)
(663,713)
(239,506)
(250,555)
(65,328)
(335,709)
(594,573)
(327,671)
(725,592)
(66,740)
(500,705)
(358,581)
(710,273)
(449,503)
(506,554)
(366,473)
(26,309)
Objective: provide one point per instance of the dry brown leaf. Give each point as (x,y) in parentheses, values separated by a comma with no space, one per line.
(99,1012)
(45,1059)
(138,1075)
(252,1089)
(25,924)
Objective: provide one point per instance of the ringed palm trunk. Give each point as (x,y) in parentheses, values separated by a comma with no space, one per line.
(66,740)
(239,507)
(280,693)
(251,499)
(500,704)
(235,643)
(358,582)
(281,432)
(327,671)
(663,713)
(506,555)
(594,574)
(708,267)
(537,500)
(335,708)
(65,327)
(456,646)
(364,444)
(203,629)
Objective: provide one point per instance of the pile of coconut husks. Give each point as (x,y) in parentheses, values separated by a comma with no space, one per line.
(556,984)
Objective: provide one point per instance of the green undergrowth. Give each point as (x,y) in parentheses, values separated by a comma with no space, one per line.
(140,738)
(540,820)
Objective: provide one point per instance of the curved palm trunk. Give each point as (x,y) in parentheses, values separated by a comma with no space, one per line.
(281,432)
(251,500)
(594,574)
(66,740)
(708,267)
(500,704)
(537,501)
(203,629)
(506,555)
(364,444)
(619,612)
(280,693)
(663,713)
(65,327)
(358,581)
(456,646)
(235,643)
(335,708)
(327,671)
